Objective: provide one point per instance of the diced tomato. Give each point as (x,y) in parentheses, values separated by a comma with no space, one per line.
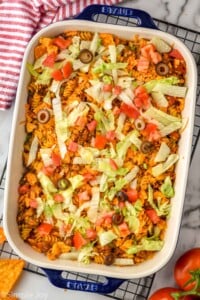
(155,57)
(81,121)
(124,229)
(152,132)
(176,54)
(67,69)
(23,188)
(107,220)
(107,87)
(88,176)
(121,204)
(100,141)
(116,110)
(143,64)
(57,75)
(49,60)
(130,111)
(151,213)
(132,195)
(91,234)
(83,196)
(113,164)
(48,170)
(110,135)
(78,240)
(73,147)
(56,159)
(33,203)
(61,42)
(117,90)
(140,89)
(92,125)
(58,198)
(44,228)
(145,50)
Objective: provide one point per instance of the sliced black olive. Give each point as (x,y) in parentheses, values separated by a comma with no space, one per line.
(122,196)
(86,56)
(117,218)
(139,124)
(109,259)
(162,69)
(43,116)
(146,147)
(63,184)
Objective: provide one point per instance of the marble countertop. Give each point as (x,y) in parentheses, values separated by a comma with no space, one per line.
(182,13)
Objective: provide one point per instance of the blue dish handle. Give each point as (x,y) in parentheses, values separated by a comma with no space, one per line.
(109,286)
(142,17)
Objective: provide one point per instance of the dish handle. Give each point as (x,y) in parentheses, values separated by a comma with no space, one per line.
(109,286)
(142,18)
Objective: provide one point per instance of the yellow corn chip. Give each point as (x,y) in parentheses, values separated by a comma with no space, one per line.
(2,237)
(10,271)
(9,298)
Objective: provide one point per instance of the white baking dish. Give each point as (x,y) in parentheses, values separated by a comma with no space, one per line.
(15,168)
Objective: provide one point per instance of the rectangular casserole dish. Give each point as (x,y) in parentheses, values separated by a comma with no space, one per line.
(15,167)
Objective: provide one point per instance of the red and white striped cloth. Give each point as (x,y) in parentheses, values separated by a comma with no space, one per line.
(19,21)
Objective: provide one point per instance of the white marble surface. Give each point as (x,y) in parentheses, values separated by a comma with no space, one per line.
(183,13)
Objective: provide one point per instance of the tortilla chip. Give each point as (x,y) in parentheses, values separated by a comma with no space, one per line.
(10,271)
(2,236)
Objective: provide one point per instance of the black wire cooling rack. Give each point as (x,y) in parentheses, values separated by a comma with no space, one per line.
(137,289)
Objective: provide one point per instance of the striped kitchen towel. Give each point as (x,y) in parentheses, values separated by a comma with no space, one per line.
(19,21)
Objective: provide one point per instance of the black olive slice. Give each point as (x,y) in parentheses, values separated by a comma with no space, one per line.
(63,184)
(86,56)
(109,259)
(117,218)
(122,196)
(43,116)
(146,147)
(162,69)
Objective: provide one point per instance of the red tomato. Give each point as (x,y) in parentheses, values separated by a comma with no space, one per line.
(151,213)
(56,159)
(88,176)
(117,90)
(155,57)
(132,195)
(48,170)
(140,90)
(44,228)
(73,147)
(188,262)
(58,198)
(143,64)
(83,196)
(113,164)
(50,60)
(164,294)
(67,69)
(110,135)
(100,142)
(78,240)
(107,87)
(23,188)
(176,54)
(57,75)
(61,42)
(33,203)
(152,132)
(124,229)
(92,125)
(130,111)
(91,234)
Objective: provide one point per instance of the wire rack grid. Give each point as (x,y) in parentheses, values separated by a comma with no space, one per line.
(131,289)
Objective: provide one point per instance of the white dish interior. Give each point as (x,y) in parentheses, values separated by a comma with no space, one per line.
(15,168)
